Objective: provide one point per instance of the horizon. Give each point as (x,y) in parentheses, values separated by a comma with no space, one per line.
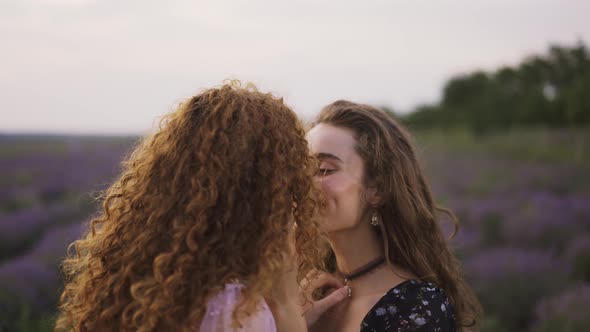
(78,67)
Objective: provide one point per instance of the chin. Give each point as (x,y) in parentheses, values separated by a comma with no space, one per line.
(327,224)
(332,225)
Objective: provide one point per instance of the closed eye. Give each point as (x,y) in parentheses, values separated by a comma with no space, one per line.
(325,171)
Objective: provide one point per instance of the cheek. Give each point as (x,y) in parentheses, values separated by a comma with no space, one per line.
(331,187)
(343,203)
(340,189)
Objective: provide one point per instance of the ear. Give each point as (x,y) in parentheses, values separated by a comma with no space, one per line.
(373,197)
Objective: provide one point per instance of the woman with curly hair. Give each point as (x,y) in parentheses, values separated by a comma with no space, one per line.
(200,230)
(382,228)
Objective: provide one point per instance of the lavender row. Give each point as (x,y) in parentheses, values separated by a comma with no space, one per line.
(524,239)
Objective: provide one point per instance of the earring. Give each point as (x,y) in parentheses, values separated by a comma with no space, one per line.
(375,219)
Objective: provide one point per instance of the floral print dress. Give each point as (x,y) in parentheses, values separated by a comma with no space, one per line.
(413,305)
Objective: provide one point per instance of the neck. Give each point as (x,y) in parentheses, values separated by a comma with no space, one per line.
(362,271)
(355,247)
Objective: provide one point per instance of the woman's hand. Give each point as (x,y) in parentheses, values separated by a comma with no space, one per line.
(314,281)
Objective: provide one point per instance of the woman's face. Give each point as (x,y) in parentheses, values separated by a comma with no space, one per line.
(340,176)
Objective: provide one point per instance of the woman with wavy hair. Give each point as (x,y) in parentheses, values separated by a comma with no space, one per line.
(200,230)
(382,228)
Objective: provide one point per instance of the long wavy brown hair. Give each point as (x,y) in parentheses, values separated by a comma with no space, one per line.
(412,236)
(209,199)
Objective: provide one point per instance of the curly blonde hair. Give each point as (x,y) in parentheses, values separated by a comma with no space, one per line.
(208,199)
(410,231)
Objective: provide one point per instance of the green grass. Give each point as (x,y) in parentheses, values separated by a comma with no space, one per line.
(564,145)
(22,145)
(20,317)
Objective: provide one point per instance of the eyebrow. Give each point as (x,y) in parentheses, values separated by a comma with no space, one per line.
(325,155)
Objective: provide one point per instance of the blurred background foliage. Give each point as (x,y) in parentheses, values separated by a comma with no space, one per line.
(544,90)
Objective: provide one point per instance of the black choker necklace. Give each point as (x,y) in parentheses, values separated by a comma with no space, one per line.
(361,271)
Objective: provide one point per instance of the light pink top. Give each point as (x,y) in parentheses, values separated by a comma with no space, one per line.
(220,308)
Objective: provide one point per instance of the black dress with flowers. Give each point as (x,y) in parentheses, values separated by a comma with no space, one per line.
(413,305)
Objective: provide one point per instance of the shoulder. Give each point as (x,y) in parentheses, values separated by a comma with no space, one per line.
(220,308)
(413,305)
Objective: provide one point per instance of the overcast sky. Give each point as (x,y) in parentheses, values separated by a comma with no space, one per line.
(115,66)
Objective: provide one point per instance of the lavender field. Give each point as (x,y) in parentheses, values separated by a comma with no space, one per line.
(48,190)
(523,200)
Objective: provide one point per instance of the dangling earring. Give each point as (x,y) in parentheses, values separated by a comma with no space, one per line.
(375,219)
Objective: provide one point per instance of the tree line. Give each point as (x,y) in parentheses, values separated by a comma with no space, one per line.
(551,89)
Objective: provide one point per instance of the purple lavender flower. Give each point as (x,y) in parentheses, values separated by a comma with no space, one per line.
(578,255)
(517,277)
(568,310)
(54,243)
(546,220)
(30,282)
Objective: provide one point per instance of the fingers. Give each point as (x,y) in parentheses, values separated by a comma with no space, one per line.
(329,301)
(320,307)
(311,276)
(319,279)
